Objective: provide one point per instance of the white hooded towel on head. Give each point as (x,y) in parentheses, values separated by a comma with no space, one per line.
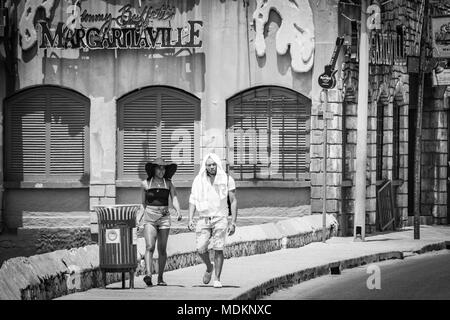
(201,186)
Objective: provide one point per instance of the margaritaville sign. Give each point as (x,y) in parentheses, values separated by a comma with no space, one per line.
(387,48)
(129,29)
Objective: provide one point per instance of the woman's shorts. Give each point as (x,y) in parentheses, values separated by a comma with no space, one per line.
(158,217)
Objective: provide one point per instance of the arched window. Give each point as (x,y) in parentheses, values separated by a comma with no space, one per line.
(46,135)
(380,142)
(268,134)
(396,141)
(157,122)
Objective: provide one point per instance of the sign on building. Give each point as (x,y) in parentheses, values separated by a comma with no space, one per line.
(441,36)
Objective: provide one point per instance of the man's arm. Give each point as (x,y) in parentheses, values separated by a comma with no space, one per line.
(191,208)
(191,215)
(233,206)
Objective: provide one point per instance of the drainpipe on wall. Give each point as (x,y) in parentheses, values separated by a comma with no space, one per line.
(359,224)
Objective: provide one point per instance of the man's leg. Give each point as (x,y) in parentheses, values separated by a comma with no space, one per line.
(218,263)
(218,238)
(203,233)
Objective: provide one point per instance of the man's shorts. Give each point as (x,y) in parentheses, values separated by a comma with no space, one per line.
(211,228)
(158,217)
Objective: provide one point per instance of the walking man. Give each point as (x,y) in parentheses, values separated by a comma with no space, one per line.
(209,197)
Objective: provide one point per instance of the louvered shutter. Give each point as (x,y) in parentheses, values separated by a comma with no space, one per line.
(139,134)
(289,116)
(178,116)
(250,117)
(46,135)
(67,137)
(26,138)
(270,134)
(157,122)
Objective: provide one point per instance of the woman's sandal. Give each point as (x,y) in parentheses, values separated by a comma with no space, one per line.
(148,280)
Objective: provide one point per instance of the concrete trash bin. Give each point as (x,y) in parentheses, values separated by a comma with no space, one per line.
(117,239)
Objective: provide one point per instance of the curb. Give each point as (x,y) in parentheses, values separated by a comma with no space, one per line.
(288,280)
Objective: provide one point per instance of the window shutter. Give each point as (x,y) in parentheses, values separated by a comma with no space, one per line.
(251,128)
(46,135)
(289,116)
(139,134)
(270,134)
(157,122)
(67,136)
(26,138)
(177,132)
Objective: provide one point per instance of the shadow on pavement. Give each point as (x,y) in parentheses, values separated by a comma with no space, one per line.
(386,239)
(210,286)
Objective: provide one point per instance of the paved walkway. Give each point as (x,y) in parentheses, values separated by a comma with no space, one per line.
(244,274)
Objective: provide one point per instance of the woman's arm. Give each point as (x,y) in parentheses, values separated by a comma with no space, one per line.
(143,193)
(176,204)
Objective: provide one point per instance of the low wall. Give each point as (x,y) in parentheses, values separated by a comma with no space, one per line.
(58,273)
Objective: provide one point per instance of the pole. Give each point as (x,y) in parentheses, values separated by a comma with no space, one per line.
(359,225)
(324,164)
(418,142)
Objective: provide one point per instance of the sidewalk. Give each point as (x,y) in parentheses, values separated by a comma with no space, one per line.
(249,277)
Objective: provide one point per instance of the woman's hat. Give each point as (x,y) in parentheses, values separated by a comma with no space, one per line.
(171,167)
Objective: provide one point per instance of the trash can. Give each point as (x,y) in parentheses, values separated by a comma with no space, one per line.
(117,239)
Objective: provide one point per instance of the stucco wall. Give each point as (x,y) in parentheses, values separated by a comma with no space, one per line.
(20,203)
(225,64)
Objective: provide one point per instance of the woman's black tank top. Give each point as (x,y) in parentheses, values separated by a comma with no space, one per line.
(157,196)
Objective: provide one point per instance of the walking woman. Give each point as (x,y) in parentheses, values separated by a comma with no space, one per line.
(156,190)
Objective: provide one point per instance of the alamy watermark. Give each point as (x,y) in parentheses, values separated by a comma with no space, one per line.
(374,280)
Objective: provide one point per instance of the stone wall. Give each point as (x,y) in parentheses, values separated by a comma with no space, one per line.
(435,156)
(388,89)
(27,242)
(334,156)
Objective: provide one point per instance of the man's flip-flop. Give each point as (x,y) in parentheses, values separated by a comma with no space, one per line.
(207,276)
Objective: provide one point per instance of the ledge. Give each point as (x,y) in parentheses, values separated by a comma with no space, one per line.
(273,184)
(45,185)
(239,184)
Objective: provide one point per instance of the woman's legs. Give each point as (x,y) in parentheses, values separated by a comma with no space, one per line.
(163,235)
(150,234)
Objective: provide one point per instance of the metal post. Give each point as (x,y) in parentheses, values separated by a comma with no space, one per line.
(324,164)
(359,223)
(418,142)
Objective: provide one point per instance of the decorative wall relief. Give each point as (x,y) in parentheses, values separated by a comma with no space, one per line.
(296,31)
(26,27)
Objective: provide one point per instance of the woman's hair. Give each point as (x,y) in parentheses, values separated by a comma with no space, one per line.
(150,169)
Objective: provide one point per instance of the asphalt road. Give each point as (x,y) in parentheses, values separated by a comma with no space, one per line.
(420,277)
